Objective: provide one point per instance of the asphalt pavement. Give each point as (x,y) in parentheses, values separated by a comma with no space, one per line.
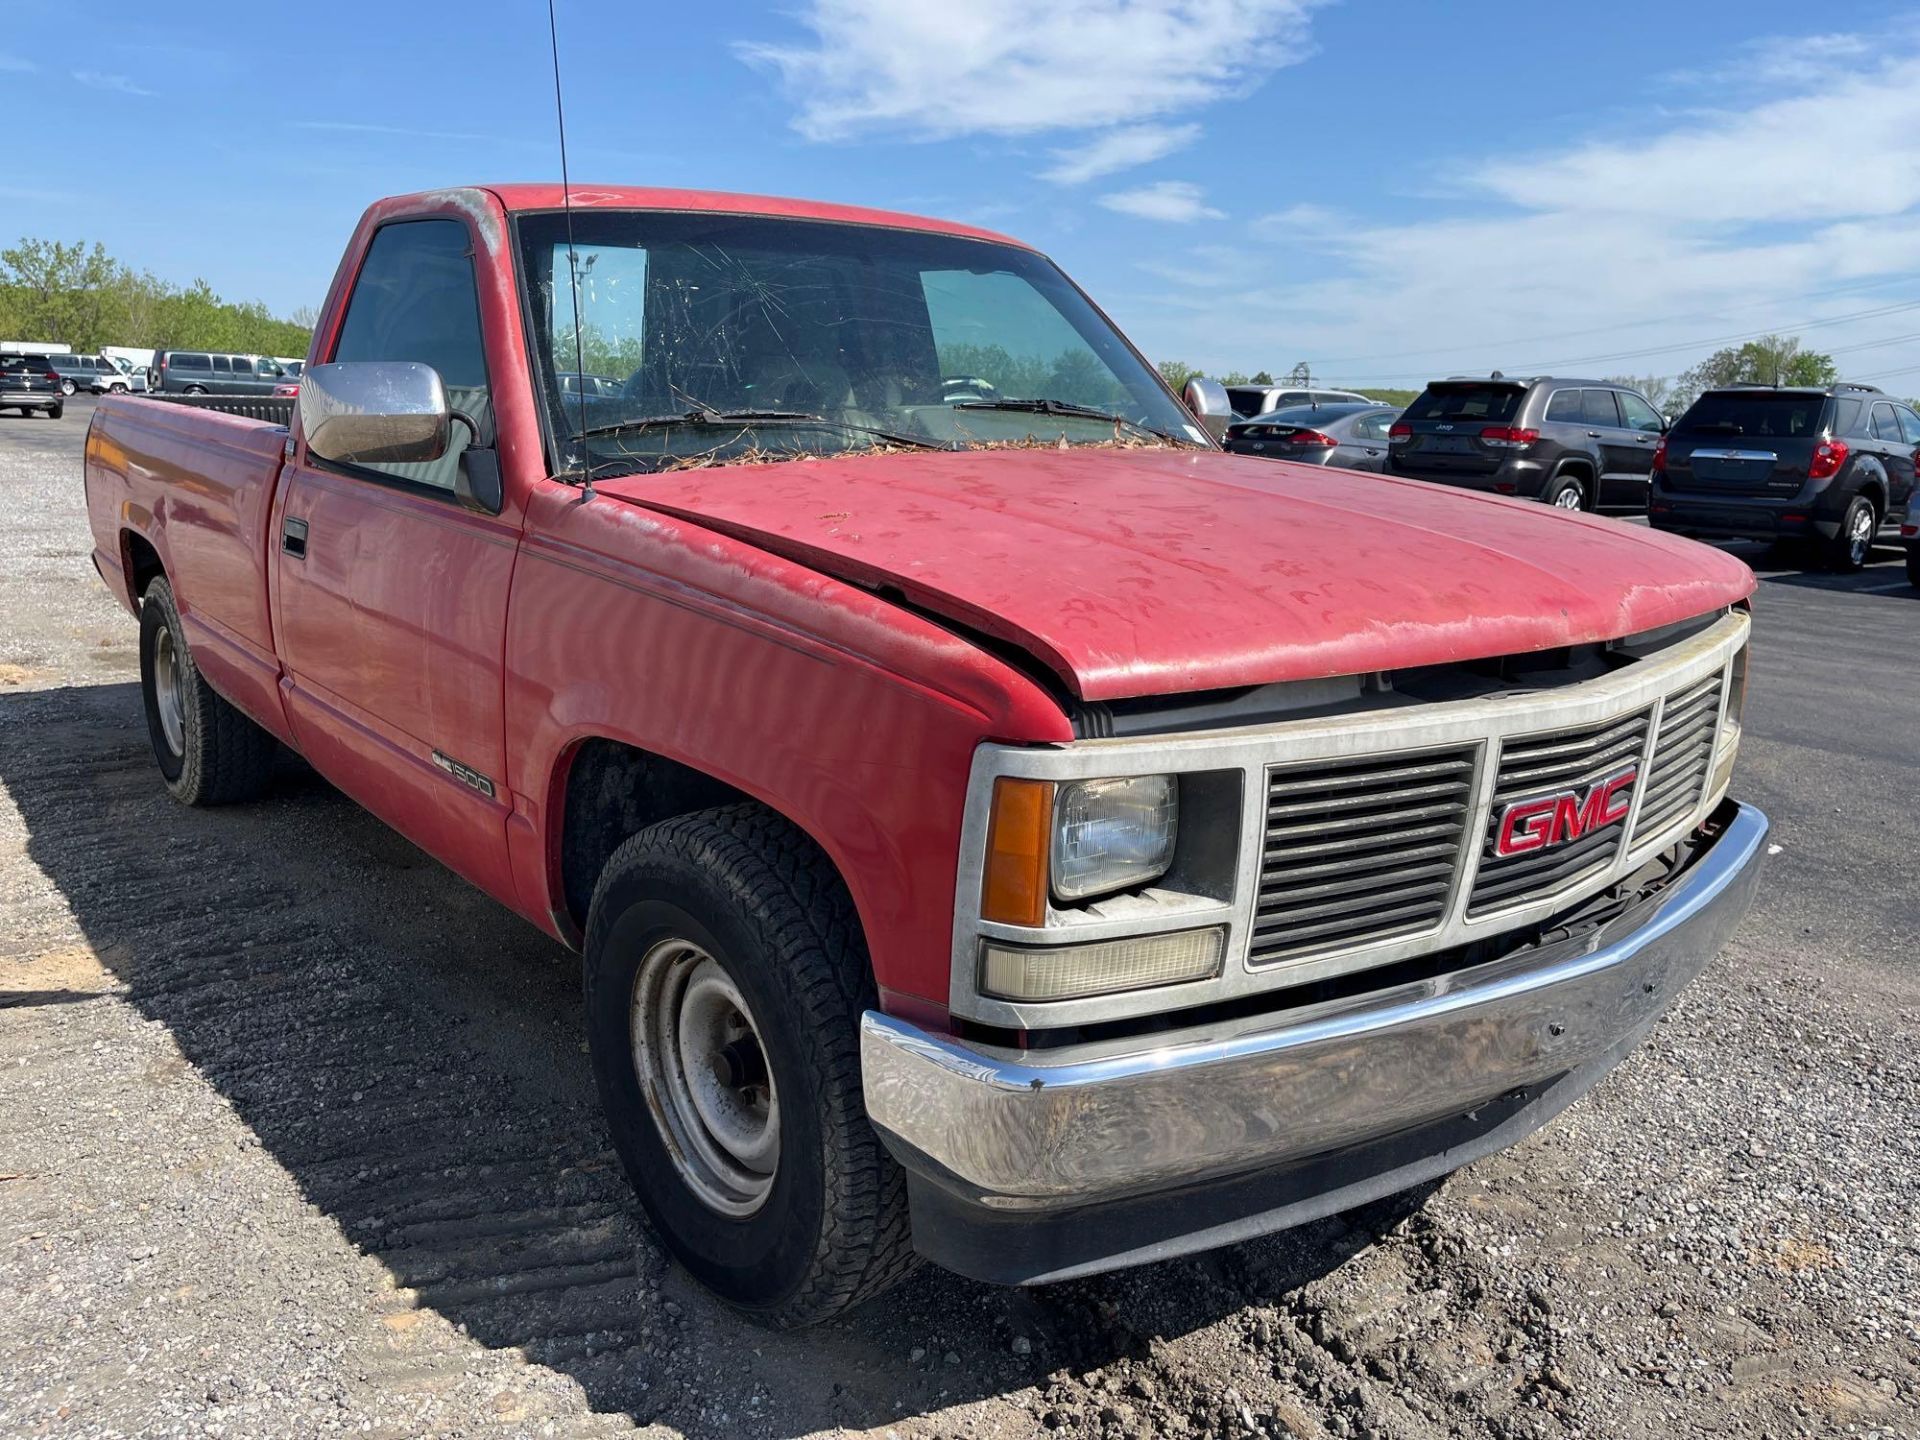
(297,1136)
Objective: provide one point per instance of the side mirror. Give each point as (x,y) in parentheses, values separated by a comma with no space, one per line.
(1207,399)
(375,412)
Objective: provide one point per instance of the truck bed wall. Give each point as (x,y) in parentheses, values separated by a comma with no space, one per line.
(198,486)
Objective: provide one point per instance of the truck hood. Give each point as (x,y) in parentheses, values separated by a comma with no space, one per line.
(1131,572)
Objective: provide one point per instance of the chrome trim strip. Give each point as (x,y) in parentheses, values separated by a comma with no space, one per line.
(1767,455)
(1036,1131)
(1250,750)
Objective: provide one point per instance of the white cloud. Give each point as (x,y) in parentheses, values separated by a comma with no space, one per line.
(97,80)
(1178,201)
(1118,150)
(1633,254)
(1013,67)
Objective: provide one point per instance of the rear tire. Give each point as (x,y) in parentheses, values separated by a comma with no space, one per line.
(746,1135)
(1852,546)
(194,390)
(67,387)
(54,412)
(209,753)
(1913,566)
(1567,492)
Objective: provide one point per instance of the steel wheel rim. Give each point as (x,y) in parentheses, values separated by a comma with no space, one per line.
(702,1067)
(166,693)
(1860,537)
(1567,499)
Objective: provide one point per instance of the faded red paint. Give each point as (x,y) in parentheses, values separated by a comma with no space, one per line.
(728,619)
(1144,572)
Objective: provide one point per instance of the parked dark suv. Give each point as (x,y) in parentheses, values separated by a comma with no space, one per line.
(1575,444)
(1830,469)
(29,383)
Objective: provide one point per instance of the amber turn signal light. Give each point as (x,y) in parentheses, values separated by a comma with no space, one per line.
(1013,890)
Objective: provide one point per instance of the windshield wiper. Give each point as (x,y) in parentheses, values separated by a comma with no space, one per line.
(752,419)
(1069,408)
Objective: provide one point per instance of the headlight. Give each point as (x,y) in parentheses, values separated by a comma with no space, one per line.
(1112,835)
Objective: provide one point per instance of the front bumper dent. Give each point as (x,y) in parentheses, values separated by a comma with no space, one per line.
(1041,1166)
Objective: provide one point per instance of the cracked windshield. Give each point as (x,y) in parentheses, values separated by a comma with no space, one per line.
(706,339)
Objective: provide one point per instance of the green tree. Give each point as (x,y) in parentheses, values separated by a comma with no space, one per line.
(1234,377)
(1661,390)
(81,296)
(1177,373)
(1770,360)
(1261,377)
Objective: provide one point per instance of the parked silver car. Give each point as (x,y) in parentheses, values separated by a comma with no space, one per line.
(1251,400)
(1352,437)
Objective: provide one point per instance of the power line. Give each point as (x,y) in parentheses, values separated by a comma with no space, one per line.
(1855,287)
(1544,366)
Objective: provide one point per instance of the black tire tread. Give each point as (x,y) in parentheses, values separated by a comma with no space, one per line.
(804,919)
(228,758)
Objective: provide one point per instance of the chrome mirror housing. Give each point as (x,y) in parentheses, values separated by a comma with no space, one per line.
(1207,399)
(374,412)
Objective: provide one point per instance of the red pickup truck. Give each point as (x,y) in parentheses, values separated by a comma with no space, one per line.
(998,825)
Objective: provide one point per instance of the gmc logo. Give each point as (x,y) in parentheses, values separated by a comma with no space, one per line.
(1549,820)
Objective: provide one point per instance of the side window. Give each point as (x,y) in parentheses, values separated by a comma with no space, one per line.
(1909,424)
(192,362)
(415,300)
(1847,416)
(1564,406)
(1599,408)
(1638,414)
(1886,425)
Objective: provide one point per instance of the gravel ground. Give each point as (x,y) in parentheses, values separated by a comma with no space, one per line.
(298,1138)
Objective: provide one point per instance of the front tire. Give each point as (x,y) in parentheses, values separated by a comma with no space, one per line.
(209,753)
(1852,546)
(1567,492)
(725,977)
(67,387)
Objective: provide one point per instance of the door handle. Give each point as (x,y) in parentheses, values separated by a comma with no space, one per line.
(1593,434)
(293,538)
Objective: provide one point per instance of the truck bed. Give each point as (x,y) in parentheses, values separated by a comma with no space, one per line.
(199,480)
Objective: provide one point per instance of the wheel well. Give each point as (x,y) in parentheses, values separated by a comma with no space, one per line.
(1871,488)
(1581,470)
(613,791)
(141,562)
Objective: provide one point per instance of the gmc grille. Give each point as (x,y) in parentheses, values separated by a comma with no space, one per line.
(1538,765)
(1682,757)
(1360,851)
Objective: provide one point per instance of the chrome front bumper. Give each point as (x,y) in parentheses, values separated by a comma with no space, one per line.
(1351,1099)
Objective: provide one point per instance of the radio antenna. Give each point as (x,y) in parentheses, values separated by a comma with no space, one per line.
(573,269)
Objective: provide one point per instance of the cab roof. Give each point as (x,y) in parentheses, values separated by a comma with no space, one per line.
(518,197)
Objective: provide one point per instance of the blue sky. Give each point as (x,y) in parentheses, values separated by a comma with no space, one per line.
(1388,190)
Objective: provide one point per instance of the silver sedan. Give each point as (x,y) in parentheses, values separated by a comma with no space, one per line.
(1352,437)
